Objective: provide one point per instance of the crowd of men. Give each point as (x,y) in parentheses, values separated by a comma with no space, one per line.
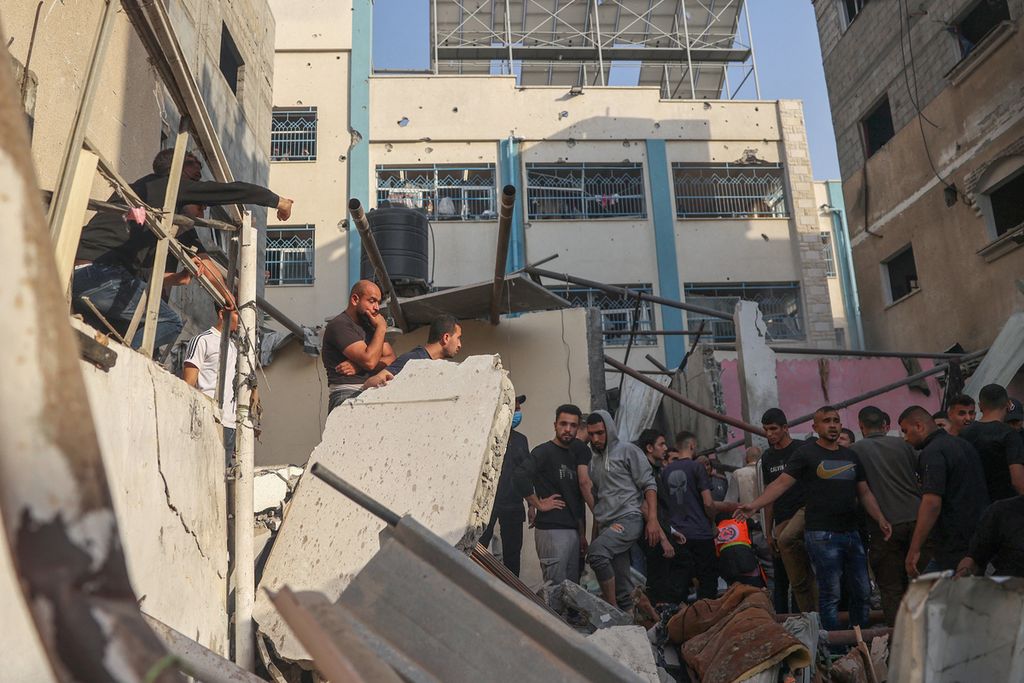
(837,510)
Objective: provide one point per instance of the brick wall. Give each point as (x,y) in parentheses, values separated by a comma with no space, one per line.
(805,226)
(863,62)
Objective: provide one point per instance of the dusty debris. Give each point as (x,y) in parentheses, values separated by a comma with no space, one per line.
(629,646)
(599,614)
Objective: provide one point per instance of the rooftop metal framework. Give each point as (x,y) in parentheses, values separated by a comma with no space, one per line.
(690,49)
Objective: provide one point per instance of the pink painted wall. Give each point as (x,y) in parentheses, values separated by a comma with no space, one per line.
(800,388)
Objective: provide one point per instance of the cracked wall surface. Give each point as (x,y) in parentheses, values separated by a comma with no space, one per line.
(164,456)
(429,444)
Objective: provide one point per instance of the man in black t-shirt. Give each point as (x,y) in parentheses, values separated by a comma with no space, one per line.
(547,479)
(953,492)
(354,346)
(508,505)
(1000,447)
(784,520)
(834,481)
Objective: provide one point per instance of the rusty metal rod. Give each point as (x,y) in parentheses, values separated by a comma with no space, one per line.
(631,293)
(679,398)
(377,261)
(658,364)
(810,351)
(849,637)
(508,205)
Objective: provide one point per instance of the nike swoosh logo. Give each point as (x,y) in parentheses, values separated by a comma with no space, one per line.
(826,473)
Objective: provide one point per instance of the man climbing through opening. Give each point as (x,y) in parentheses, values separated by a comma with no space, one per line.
(625,507)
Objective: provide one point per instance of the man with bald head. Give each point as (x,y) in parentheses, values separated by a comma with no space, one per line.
(354,346)
(953,492)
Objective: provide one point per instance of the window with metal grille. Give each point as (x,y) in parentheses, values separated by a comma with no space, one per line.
(293,134)
(575,191)
(289,256)
(729,190)
(779,303)
(828,253)
(617,312)
(445,192)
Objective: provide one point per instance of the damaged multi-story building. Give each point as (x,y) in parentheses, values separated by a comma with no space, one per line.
(657,167)
(927,102)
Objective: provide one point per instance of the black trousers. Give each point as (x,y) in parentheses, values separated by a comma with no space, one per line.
(511,522)
(780,592)
(669,579)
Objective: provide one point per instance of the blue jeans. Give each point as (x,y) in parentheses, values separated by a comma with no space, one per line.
(839,556)
(116,293)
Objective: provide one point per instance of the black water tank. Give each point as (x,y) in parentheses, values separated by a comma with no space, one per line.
(401,236)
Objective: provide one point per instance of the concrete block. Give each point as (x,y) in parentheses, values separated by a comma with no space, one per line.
(756,366)
(429,444)
(598,612)
(630,646)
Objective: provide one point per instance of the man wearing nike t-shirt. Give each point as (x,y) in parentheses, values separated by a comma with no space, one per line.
(834,480)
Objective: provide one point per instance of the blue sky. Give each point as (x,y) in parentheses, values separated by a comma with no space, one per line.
(785,44)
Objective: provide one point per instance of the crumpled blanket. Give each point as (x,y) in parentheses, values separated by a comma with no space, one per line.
(734,637)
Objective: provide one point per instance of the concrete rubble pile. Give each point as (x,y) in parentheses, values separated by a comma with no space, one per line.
(429,444)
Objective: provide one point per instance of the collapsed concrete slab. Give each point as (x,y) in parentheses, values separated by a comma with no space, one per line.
(629,646)
(428,444)
(599,613)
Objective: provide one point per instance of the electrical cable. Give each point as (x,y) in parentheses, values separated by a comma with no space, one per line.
(901,7)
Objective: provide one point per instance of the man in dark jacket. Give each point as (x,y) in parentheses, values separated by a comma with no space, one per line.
(508,510)
(115,250)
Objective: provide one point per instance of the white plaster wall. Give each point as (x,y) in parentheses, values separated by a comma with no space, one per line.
(164,456)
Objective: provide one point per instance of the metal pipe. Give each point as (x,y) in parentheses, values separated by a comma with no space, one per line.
(275,313)
(753,58)
(376,508)
(679,398)
(658,364)
(597,41)
(244,556)
(810,351)
(850,637)
(689,60)
(376,260)
(198,661)
(632,294)
(508,205)
(65,174)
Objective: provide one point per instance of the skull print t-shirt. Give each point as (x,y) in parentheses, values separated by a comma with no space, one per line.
(684,480)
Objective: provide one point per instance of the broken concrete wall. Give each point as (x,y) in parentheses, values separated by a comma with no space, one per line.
(429,444)
(164,458)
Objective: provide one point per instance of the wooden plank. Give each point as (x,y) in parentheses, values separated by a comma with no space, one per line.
(156,277)
(73,216)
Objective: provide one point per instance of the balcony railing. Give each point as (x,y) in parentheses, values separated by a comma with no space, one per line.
(779,304)
(729,190)
(443,192)
(585,191)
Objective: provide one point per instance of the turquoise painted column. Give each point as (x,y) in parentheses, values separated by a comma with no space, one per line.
(359,121)
(664,215)
(844,263)
(509,160)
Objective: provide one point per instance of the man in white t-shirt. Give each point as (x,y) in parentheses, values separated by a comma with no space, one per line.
(201,365)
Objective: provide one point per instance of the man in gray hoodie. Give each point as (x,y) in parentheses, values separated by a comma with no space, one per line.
(624,503)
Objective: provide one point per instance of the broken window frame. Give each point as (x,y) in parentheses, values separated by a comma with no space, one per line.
(293,130)
(968,45)
(781,304)
(290,240)
(730,190)
(585,191)
(616,312)
(895,289)
(471,189)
